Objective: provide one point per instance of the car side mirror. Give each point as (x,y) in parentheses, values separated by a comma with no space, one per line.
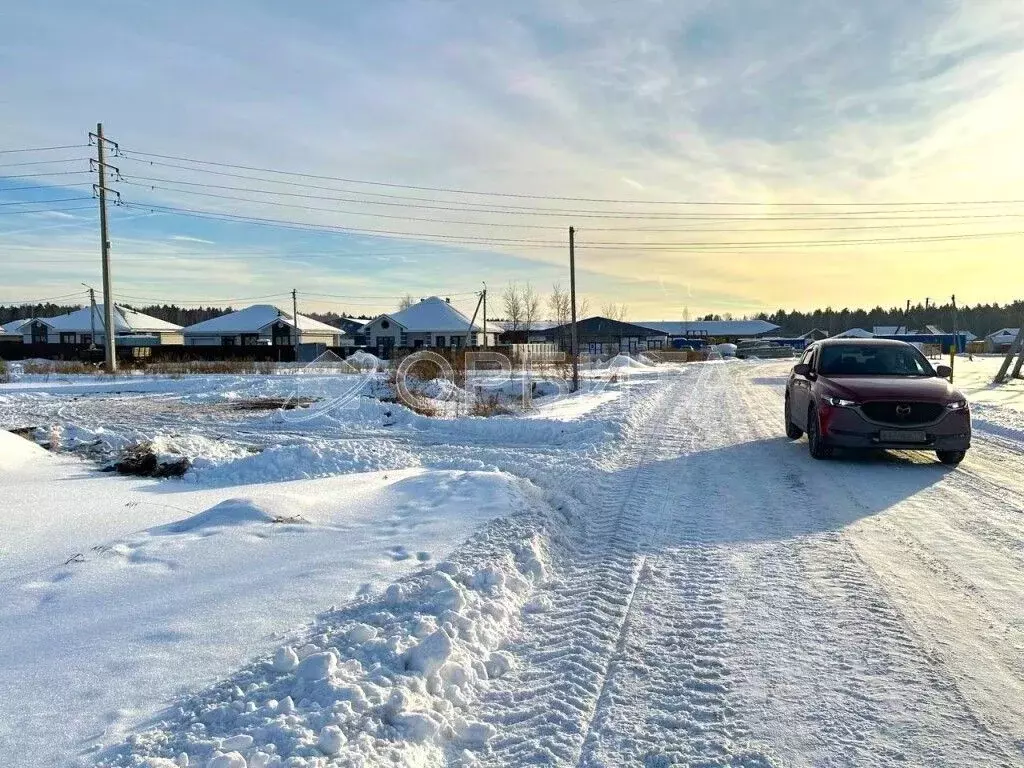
(943,371)
(802,369)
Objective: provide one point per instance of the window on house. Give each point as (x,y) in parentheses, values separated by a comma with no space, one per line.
(227,341)
(440,341)
(67,338)
(456,342)
(39,334)
(249,339)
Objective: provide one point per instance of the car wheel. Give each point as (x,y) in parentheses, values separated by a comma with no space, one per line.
(815,443)
(951,457)
(793,432)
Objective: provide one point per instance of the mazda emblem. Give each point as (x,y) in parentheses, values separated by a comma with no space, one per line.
(902,410)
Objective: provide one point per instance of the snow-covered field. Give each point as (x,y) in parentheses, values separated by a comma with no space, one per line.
(646,573)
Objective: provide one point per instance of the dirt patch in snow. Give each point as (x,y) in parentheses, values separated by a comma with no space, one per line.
(143,460)
(272,403)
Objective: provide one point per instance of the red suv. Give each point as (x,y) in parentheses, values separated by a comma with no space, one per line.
(875,393)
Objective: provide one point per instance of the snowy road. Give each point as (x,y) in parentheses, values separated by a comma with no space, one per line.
(735,603)
(682,586)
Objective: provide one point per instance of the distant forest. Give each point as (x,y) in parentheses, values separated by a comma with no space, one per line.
(979,319)
(172,313)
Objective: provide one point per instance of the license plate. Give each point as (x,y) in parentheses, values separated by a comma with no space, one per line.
(902,436)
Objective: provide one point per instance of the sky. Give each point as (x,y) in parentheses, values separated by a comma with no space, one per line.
(714,156)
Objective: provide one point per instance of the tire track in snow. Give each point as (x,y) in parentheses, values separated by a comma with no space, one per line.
(545,711)
(668,699)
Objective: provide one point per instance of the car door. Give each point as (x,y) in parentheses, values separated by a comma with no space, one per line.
(800,391)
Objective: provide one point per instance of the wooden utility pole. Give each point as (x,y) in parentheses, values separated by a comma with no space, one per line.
(109,345)
(295,322)
(574,339)
(92,317)
(485,315)
(956,343)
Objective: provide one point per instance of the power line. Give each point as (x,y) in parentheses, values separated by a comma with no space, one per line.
(40,301)
(452,190)
(46,202)
(40,175)
(46,186)
(48,210)
(285,224)
(602,245)
(204,301)
(41,149)
(560,214)
(43,162)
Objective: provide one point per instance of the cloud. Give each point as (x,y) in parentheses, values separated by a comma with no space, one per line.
(814,100)
(187,239)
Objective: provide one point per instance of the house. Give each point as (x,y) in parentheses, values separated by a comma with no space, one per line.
(523,333)
(854,333)
(729,330)
(604,336)
(351,332)
(86,326)
(12,331)
(1000,341)
(430,322)
(815,334)
(261,325)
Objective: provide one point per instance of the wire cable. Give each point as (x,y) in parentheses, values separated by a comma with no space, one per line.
(41,149)
(453,190)
(588,214)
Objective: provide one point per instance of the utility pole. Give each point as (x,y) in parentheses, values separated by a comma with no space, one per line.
(574,341)
(485,316)
(92,317)
(295,322)
(956,343)
(109,341)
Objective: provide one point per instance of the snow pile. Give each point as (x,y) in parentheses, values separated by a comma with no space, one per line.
(387,681)
(228,512)
(302,461)
(364,361)
(725,350)
(16,451)
(621,361)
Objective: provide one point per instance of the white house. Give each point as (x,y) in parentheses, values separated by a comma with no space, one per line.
(854,333)
(261,325)
(431,322)
(85,326)
(999,341)
(12,331)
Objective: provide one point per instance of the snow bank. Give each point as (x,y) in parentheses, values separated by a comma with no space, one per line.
(228,512)
(303,461)
(623,361)
(16,451)
(385,681)
(364,361)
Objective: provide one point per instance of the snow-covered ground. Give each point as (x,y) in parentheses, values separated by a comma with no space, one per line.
(647,573)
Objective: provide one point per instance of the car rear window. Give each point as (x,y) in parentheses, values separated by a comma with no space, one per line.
(864,360)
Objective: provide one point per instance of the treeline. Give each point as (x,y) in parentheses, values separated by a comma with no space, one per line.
(9,314)
(980,319)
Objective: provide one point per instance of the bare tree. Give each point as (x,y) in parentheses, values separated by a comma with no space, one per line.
(558,304)
(531,306)
(582,307)
(405,302)
(614,311)
(513,302)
